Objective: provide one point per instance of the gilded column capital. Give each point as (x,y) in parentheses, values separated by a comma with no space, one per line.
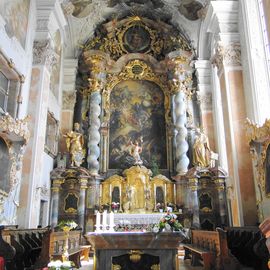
(227,55)
(96,62)
(57,184)
(220,185)
(193,184)
(83,183)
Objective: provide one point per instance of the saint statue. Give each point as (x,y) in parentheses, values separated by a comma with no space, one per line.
(75,141)
(135,150)
(201,150)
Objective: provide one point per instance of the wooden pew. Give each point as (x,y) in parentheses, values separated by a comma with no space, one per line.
(247,244)
(26,244)
(210,248)
(53,247)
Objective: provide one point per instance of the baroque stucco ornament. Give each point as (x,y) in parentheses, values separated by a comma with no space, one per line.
(15,127)
(258,138)
(229,55)
(43,54)
(69,99)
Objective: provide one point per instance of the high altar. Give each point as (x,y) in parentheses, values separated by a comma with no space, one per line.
(136,147)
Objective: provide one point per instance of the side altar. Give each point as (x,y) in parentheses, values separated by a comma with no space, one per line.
(135,250)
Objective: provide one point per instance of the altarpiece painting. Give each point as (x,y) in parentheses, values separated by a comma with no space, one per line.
(137,114)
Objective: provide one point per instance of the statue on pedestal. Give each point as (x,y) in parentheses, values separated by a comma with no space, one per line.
(75,141)
(201,150)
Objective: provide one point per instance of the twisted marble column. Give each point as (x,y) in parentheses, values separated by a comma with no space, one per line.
(182,160)
(94,133)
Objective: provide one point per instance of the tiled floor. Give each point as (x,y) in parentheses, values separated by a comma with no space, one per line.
(183,265)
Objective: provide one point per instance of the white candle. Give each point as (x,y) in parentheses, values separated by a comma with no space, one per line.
(111,219)
(104,220)
(120,192)
(100,191)
(174,191)
(98,221)
(110,190)
(155,192)
(165,192)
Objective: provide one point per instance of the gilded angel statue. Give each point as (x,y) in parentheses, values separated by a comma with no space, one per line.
(75,142)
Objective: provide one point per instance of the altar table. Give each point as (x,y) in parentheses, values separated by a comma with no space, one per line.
(110,246)
(126,219)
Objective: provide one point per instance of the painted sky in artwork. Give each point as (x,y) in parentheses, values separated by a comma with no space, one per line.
(137,111)
(15,13)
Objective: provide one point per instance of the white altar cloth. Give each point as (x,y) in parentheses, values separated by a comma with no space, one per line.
(125,219)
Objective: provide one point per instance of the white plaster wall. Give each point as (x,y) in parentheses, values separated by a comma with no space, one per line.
(22,58)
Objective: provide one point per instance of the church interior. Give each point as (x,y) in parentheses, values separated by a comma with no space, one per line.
(135,131)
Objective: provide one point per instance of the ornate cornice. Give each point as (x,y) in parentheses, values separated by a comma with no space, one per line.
(15,128)
(68,101)
(43,54)
(229,55)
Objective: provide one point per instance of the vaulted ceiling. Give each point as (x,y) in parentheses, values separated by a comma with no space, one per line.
(84,16)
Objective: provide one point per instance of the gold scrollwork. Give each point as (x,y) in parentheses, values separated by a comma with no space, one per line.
(135,255)
(261,136)
(114,42)
(136,70)
(116,267)
(155,267)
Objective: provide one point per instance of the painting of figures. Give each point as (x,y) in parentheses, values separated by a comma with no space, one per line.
(15,13)
(137,117)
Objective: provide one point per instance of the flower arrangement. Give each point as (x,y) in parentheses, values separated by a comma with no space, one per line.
(160,207)
(115,206)
(58,265)
(168,223)
(67,225)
